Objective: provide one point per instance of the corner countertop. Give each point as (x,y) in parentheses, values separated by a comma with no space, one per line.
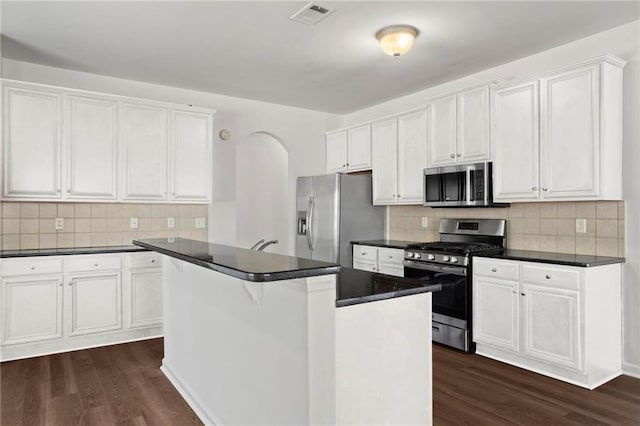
(581,260)
(69,251)
(352,286)
(399,244)
(245,264)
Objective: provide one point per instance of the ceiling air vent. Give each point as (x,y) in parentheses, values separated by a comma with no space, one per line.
(312,13)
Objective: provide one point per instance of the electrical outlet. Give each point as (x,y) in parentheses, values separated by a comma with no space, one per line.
(581,226)
(171,222)
(200,222)
(59,223)
(133,223)
(425,222)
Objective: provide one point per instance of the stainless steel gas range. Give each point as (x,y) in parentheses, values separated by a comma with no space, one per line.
(448,262)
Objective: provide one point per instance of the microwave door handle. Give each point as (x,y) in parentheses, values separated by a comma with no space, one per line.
(441,188)
(468,186)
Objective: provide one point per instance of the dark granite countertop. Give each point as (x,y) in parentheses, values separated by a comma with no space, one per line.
(354,286)
(248,265)
(386,243)
(69,251)
(581,260)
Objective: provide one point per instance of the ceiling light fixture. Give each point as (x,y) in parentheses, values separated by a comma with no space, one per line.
(396,40)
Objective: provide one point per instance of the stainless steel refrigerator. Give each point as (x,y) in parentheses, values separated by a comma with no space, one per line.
(332,211)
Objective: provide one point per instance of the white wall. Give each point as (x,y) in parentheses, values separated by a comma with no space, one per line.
(300,131)
(623,42)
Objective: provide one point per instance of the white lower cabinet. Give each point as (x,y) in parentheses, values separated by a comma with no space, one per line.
(31,309)
(62,303)
(378,259)
(561,321)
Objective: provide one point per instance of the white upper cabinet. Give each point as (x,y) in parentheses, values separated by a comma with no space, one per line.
(568,148)
(349,150)
(516,142)
(459,128)
(474,122)
(412,156)
(191,138)
(32,143)
(69,145)
(384,147)
(91,129)
(399,151)
(442,132)
(337,152)
(145,141)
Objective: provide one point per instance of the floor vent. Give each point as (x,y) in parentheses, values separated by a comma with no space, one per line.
(312,13)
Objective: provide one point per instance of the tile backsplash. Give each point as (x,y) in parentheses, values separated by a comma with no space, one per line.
(25,225)
(530,226)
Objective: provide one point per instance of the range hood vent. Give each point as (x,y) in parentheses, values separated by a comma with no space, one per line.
(311,14)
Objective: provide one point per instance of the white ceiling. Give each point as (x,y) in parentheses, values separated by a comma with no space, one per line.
(253,50)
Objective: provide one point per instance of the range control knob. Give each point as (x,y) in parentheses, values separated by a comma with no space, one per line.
(409,255)
(431,257)
(445,258)
(453,259)
(417,256)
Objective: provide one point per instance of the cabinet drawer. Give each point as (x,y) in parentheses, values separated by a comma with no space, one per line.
(391,256)
(82,264)
(31,266)
(147,260)
(496,268)
(365,252)
(568,278)
(365,265)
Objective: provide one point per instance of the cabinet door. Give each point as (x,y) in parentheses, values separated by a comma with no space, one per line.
(31,143)
(191,151)
(31,309)
(92,134)
(442,132)
(145,142)
(337,152)
(552,325)
(95,304)
(359,148)
(473,124)
(412,156)
(146,298)
(569,138)
(496,313)
(365,265)
(384,148)
(516,143)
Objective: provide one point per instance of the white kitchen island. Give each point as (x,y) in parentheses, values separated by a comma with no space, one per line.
(258,338)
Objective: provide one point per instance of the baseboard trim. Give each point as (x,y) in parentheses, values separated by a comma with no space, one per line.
(206,416)
(629,369)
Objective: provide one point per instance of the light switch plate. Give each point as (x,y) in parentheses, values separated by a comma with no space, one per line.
(133,223)
(425,222)
(581,226)
(200,222)
(59,223)
(171,222)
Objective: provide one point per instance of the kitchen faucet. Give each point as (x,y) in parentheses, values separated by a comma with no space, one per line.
(267,244)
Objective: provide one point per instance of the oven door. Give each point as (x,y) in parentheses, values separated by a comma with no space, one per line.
(452,300)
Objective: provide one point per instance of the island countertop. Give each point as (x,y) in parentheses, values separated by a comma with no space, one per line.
(352,286)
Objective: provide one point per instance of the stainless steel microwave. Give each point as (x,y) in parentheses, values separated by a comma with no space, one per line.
(467,185)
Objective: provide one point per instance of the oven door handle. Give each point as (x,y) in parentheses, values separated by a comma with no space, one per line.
(457,270)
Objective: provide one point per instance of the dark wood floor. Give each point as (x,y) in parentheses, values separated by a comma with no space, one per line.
(122,385)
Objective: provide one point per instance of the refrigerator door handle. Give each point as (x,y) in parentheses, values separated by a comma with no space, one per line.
(309,223)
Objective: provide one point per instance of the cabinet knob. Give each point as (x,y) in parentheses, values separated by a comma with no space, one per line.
(534,188)
(60,283)
(544,189)
(399,196)
(514,292)
(153,261)
(347,164)
(344,165)
(390,257)
(494,269)
(453,156)
(548,276)
(364,253)
(523,294)
(459,155)
(95,264)
(32,267)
